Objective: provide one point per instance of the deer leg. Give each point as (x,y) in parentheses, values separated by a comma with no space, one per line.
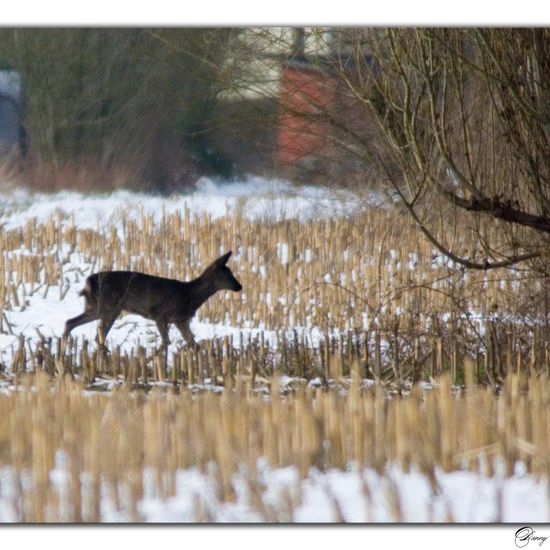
(183,327)
(104,327)
(163,329)
(74,322)
(81,319)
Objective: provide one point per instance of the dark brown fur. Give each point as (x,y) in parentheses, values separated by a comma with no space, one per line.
(165,301)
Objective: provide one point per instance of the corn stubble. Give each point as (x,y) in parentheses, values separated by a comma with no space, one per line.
(108,442)
(384,308)
(372,289)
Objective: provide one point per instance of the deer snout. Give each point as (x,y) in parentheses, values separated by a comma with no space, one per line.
(237,287)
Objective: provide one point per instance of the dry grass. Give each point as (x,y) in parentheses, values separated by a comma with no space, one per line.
(114,439)
(84,175)
(385,309)
(369,285)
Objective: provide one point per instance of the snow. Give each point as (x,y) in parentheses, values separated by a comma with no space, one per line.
(44,311)
(44,315)
(352,496)
(271,199)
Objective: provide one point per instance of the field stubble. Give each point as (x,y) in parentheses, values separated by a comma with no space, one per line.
(337,303)
(321,295)
(126,444)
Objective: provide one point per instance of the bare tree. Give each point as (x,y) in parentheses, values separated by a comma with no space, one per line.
(442,116)
(133,100)
(463,115)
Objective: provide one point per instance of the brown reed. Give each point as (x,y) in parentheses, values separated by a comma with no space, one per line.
(367,290)
(113,439)
(368,284)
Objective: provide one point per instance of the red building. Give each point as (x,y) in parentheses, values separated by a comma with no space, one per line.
(307,94)
(316,103)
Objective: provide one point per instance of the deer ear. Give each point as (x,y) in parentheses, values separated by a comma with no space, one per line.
(222,260)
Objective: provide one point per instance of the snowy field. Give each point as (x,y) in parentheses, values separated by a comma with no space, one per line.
(354,496)
(45,311)
(255,198)
(350,496)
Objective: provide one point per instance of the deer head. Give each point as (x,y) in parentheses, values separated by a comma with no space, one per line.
(220,275)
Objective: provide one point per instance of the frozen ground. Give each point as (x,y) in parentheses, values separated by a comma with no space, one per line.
(321,497)
(253,198)
(45,312)
(279,495)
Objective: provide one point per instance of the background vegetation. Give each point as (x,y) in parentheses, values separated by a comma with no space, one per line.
(118,102)
(415,332)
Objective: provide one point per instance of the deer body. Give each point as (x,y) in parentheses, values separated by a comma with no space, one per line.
(165,301)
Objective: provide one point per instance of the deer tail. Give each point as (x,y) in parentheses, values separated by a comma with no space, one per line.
(86,291)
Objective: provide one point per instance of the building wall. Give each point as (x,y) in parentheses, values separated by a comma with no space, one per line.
(9,125)
(305,95)
(10,111)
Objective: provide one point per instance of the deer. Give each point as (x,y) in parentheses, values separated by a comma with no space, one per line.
(165,301)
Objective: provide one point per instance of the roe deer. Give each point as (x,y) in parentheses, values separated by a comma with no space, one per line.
(164,300)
